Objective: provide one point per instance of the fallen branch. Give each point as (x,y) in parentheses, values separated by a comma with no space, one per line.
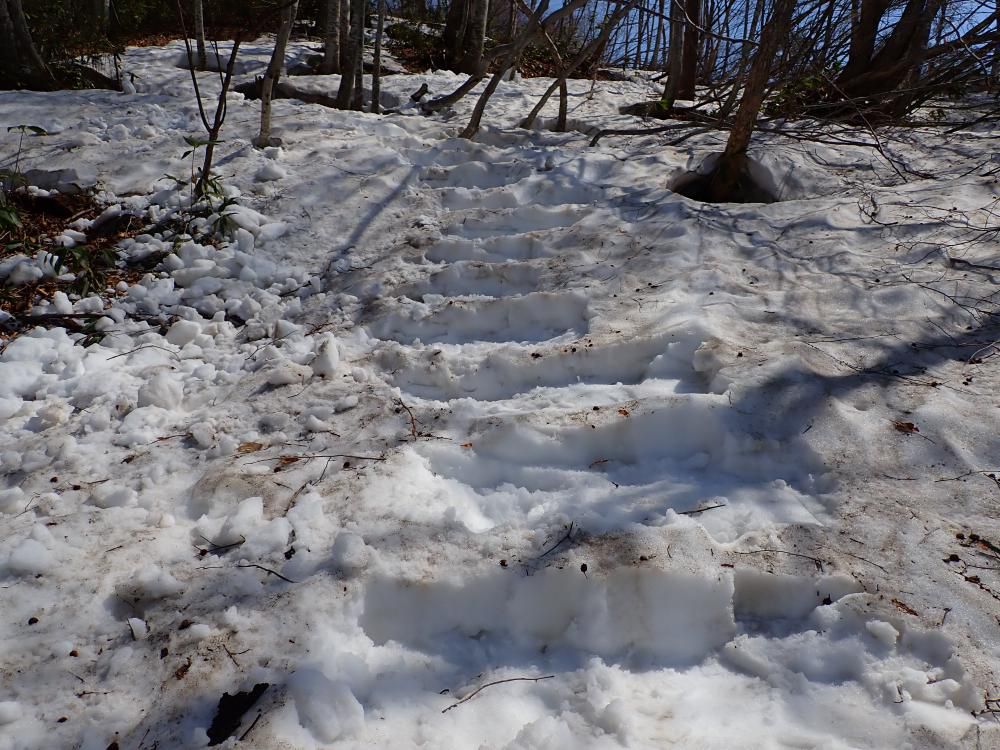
(481,688)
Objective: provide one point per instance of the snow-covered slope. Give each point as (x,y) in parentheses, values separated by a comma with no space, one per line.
(503,444)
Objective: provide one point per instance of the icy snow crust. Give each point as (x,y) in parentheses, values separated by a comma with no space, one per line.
(494,410)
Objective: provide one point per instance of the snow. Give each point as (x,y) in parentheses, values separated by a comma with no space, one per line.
(440,416)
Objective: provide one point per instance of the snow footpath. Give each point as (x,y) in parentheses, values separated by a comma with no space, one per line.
(502,444)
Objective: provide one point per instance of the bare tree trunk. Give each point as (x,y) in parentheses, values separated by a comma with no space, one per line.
(199,34)
(675,52)
(331,39)
(731,168)
(475,36)
(20,62)
(658,39)
(348,80)
(454,32)
(996,54)
(377,60)
(102,14)
(358,103)
(775,31)
(689,51)
(640,34)
(273,73)
(345,33)
(10,64)
(875,76)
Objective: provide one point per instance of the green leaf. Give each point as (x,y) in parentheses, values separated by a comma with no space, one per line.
(33,128)
(9,218)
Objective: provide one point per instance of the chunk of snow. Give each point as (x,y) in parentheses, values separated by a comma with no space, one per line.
(113,496)
(150,584)
(11,500)
(163,391)
(327,709)
(883,631)
(139,628)
(324,364)
(350,553)
(10,711)
(287,373)
(183,332)
(30,557)
(271,171)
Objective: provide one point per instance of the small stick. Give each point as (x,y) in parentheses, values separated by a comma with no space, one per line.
(248,565)
(244,735)
(319,455)
(819,563)
(222,547)
(413,420)
(479,689)
(295,495)
(569,533)
(233,656)
(699,510)
(856,557)
(266,570)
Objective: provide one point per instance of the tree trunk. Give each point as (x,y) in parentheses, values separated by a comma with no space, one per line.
(996,55)
(863,32)
(358,32)
(454,32)
(689,51)
(199,34)
(10,67)
(102,14)
(272,74)
(377,60)
(731,168)
(871,78)
(345,33)
(20,63)
(353,52)
(640,35)
(675,52)
(475,36)
(331,39)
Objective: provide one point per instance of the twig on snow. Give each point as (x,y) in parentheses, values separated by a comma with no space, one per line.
(249,728)
(413,419)
(856,557)
(216,548)
(479,689)
(266,570)
(249,565)
(699,510)
(565,537)
(816,560)
(233,656)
